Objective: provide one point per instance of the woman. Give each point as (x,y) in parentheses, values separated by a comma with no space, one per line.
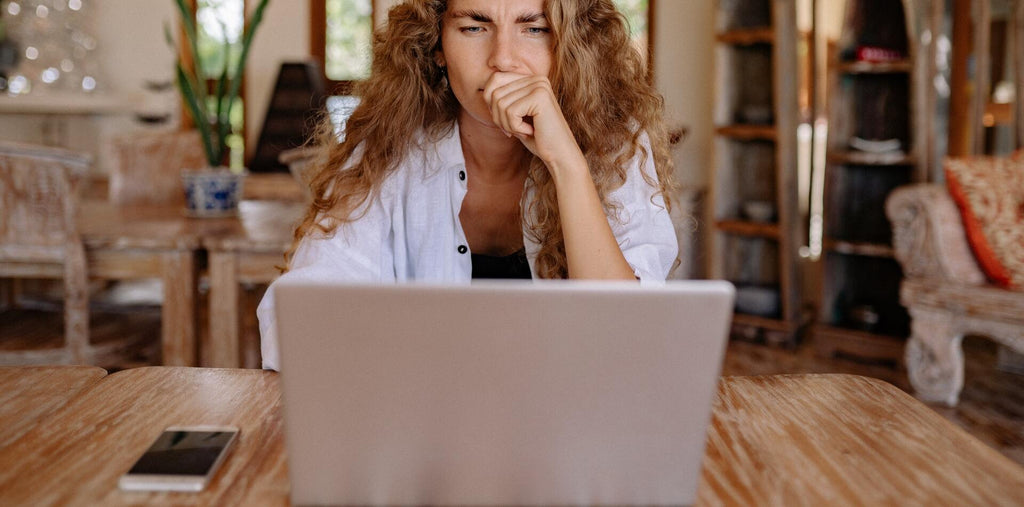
(495,138)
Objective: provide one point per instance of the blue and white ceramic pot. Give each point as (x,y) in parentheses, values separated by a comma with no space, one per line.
(212,192)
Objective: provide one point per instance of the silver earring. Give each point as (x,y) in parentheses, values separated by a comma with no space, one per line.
(444,77)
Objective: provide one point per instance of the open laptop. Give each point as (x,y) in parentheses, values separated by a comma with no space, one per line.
(510,393)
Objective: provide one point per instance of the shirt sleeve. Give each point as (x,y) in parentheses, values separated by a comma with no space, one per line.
(642,225)
(354,252)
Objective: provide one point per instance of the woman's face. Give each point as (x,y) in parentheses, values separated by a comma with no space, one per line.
(482,37)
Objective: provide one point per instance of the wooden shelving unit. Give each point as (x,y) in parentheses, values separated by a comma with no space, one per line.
(756,229)
(877,102)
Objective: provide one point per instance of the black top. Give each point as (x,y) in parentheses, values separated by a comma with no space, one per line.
(510,266)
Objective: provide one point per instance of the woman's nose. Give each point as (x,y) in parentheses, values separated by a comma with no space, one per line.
(503,54)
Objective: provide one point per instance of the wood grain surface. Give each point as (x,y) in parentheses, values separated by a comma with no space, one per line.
(774,440)
(29,394)
(78,456)
(844,439)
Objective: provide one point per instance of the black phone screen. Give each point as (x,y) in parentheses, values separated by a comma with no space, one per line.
(182,453)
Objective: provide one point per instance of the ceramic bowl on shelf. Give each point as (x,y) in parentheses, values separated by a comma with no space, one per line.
(875,146)
(755,114)
(759,300)
(864,317)
(759,211)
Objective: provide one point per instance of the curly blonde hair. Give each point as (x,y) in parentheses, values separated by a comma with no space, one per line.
(607,107)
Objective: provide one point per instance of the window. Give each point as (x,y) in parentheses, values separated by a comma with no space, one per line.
(639,16)
(341,32)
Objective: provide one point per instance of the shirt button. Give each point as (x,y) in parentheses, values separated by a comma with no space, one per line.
(462,249)
(462,175)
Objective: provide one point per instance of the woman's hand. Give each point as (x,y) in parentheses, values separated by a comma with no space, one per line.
(526,107)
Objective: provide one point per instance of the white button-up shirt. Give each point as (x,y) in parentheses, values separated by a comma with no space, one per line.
(410,231)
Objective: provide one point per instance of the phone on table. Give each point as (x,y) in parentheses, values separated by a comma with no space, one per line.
(183,458)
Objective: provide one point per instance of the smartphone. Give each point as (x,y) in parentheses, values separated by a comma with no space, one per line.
(183,458)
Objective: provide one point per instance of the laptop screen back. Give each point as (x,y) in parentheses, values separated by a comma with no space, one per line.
(499,393)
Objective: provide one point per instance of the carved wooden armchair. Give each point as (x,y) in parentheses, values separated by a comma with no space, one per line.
(39,238)
(945,291)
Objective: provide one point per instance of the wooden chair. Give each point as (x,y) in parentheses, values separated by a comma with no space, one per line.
(39,240)
(146,166)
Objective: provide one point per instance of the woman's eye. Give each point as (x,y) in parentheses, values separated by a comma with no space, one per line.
(537,30)
(471,29)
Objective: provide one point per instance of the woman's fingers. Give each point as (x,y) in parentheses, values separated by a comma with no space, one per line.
(514,111)
(500,89)
(514,100)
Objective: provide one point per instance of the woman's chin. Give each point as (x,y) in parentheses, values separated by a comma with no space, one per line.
(468,119)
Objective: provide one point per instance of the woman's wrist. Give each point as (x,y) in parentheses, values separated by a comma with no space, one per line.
(568,169)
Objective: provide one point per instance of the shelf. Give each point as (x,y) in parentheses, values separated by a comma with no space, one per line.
(868,158)
(748,132)
(830,340)
(747,36)
(895,67)
(857,248)
(764,322)
(772,331)
(746,228)
(67,103)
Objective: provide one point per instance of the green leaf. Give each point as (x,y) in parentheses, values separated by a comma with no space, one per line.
(188,21)
(250,32)
(223,123)
(192,102)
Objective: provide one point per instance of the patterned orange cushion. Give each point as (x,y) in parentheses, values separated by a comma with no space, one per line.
(990,194)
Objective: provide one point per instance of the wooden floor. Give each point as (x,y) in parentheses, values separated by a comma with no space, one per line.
(991,405)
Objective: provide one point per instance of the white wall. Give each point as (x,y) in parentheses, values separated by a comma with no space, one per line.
(130,42)
(683,50)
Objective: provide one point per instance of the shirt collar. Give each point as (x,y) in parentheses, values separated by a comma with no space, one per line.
(449,149)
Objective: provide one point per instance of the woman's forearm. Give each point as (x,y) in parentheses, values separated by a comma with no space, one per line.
(590,247)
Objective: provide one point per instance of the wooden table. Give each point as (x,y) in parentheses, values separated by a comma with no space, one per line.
(133,242)
(844,439)
(250,253)
(29,394)
(801,439)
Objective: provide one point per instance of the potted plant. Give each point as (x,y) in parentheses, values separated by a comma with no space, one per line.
(216,189)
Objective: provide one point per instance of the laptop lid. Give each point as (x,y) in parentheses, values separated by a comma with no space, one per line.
(499,392)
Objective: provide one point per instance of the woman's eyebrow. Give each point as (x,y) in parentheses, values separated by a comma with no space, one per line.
(474,15)
(484,18)
(530,18)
